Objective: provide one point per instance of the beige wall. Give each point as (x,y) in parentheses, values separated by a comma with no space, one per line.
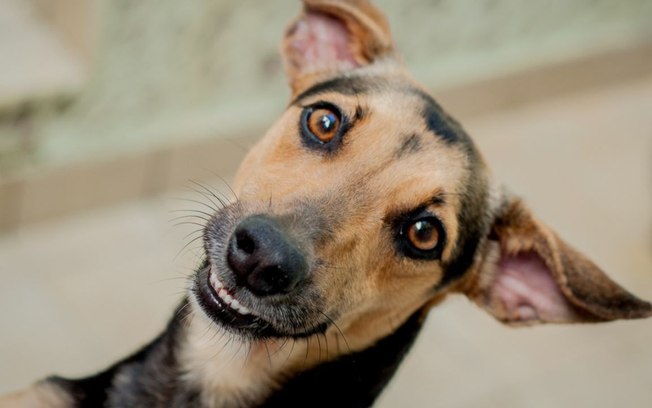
(164,73)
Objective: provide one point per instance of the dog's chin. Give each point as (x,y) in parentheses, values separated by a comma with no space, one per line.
(221,306)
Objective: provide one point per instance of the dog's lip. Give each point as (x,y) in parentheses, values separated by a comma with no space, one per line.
(251,324)
(220,308)
(226,298)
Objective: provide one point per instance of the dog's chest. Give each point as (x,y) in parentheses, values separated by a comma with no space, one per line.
(227,371)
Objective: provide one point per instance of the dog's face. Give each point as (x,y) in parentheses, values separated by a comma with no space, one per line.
(365,202)
(369,195)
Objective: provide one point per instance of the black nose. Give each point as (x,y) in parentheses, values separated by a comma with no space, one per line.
(263,259)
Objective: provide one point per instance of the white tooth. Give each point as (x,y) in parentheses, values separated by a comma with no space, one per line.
(214,280)
(224,295)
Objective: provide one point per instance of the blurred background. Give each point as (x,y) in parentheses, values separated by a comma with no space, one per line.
(112,110)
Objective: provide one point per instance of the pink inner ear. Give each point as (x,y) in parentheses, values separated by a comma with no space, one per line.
(322,42)
(527,291)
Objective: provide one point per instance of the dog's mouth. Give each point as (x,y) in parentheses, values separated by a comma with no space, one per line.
(222,304)
(225,298)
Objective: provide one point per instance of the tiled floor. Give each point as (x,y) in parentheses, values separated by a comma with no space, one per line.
(78,293)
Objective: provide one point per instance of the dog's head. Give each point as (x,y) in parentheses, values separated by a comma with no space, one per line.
(365,202)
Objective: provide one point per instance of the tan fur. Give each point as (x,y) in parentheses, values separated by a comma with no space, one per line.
(41,395)
(234,372)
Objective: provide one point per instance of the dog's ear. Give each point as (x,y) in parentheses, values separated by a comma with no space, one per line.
(529,275)
(332,36)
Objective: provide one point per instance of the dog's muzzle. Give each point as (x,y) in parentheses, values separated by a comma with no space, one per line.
(258,278)
(263,258)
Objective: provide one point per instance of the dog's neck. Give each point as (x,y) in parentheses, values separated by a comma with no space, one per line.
(189,365)
(231,371)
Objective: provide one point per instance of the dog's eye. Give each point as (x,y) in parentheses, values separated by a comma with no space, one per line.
(322,126)
(423,235)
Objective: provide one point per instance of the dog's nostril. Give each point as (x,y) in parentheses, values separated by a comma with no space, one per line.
(245,243)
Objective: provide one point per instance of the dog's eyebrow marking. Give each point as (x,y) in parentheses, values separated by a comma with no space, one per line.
(437,199)
(440,123)
(409,144)
(353,85)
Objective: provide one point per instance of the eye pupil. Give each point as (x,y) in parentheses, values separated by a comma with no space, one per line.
(423,235)
(328,122)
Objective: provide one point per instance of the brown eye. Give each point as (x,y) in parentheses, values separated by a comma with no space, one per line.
(323,124)
(423,234)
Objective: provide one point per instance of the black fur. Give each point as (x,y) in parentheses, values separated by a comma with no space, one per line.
(473,228)
(354,380)
(346,85)
(442,124)
(409,144)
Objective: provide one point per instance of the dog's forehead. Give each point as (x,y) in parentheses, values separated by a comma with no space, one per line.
(425,151)
(401,99)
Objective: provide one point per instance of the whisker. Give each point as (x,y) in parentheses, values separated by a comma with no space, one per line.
(269,357)
(326,341)
(250,346)
(318,345)
(215,190)
(178,224)
(190,216)
(196,202)
(181,310)
(222,333)
(187,245)
(194,211)
(338,329)
(278,349)
(226,183)
(307,350)
(294,342)
(209,192)
(188,235)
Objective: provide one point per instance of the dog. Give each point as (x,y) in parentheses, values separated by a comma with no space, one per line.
(361,208)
